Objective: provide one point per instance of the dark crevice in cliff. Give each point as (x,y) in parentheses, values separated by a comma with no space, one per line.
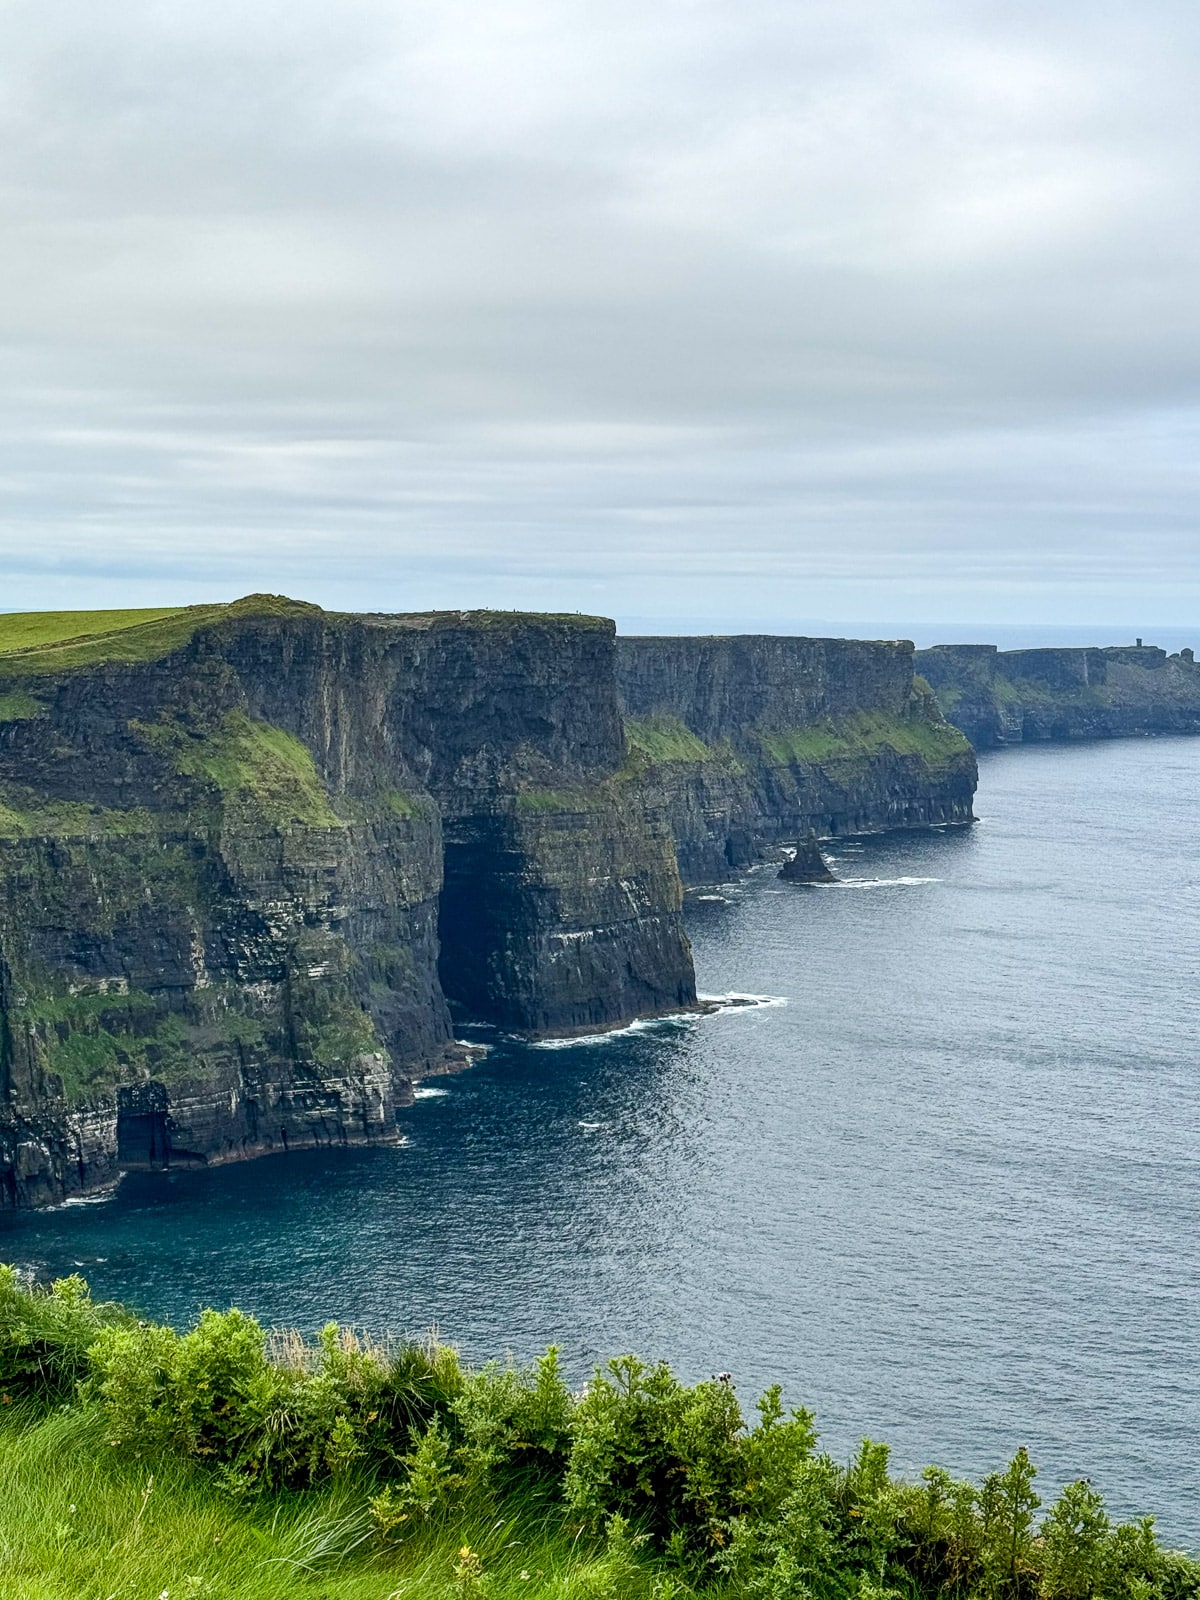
(143,1128)
(470,931)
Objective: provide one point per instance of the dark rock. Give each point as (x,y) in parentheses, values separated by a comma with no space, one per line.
(239,879)
(806,864)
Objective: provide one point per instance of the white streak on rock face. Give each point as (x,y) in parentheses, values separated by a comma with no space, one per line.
(99,986)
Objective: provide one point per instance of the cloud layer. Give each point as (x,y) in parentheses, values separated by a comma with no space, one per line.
(857,309)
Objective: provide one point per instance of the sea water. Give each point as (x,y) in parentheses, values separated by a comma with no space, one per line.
(945,1186)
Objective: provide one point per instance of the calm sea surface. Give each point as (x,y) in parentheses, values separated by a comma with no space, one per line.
(947,1188)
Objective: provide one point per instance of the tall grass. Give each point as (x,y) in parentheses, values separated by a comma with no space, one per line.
(80,1521)
(225,1462)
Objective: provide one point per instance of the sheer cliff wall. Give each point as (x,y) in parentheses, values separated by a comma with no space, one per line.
(255,858)
(745,743)
(1012,696)
(227,842)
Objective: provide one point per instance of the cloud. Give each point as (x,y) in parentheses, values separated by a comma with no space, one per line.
(768,309)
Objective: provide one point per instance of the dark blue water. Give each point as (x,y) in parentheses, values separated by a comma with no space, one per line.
(948,1193)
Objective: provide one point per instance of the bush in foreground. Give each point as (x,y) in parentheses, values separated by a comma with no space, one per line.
(396,1462)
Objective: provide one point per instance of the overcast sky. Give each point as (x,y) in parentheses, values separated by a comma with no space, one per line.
(869,310)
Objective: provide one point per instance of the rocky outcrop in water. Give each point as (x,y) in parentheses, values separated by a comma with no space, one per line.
(748,743)
(1012,696)
(806,864)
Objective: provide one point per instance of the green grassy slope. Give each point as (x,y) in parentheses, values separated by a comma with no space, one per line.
(80,1521)
(26,630)
(45,642)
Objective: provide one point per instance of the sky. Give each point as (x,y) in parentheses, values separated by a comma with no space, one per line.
(722,313)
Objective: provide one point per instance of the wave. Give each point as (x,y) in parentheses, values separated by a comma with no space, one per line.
(710,1005)
(874,883)
(422,1093)
(718,1004)
(638,1025)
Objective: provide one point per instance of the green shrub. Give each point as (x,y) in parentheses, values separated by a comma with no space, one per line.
(667,1457)
(291,1418)
(516,1421)
(45,1335)
(658,1488)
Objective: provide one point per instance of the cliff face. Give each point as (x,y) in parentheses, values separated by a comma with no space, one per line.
(1006,697)
(254,857)
(227,841)
(745,743)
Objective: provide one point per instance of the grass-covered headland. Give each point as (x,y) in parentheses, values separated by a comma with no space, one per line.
(229,1462)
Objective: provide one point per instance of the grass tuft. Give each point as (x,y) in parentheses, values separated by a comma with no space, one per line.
(252,762)
(664,738)
(861,736)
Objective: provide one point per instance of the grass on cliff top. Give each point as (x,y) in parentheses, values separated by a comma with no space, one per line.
(862,735)
(252,762)
(45,642)
(499,620)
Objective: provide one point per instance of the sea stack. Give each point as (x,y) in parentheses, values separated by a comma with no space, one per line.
(807,865)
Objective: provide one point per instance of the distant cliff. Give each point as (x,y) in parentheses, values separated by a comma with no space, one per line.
(1005,697)
(748,742)
(253,858)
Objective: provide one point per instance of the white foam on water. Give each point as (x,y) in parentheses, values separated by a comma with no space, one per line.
(421,1093)
(591,1127)
(725,1003)
(101,1199)
(874,883)
(639,1025)
(714,1004)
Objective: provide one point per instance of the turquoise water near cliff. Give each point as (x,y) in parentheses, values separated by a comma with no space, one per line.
(948,1192)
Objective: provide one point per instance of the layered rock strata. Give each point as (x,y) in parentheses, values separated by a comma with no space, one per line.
(1012,696)
(227,839)
(744,744)
(254,858)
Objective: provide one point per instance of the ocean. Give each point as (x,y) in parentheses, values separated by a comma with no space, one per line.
(942,1180)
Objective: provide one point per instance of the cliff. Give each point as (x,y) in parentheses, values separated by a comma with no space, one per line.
(743,744)
(1006,697)
(254,858)
(228,837)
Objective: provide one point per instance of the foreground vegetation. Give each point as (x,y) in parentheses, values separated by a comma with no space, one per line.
(228,1462)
